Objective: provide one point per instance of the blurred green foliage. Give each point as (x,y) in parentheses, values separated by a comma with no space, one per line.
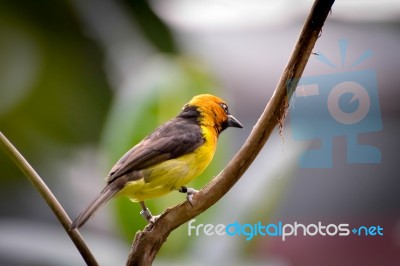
(55,98)
(151,26)
(53,87)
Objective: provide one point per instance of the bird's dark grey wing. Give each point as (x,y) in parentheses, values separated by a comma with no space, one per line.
(171,140)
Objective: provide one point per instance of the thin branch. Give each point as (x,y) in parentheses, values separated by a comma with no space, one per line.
(148,242)
(55,206)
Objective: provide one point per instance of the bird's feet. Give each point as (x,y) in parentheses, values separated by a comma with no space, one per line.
(189,193)
(146,214)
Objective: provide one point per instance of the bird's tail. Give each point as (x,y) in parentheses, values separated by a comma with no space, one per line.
(105,195)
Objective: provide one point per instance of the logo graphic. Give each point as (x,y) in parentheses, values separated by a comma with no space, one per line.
(281,230)
(339,104)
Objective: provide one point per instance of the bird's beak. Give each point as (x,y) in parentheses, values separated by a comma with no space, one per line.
(233,122)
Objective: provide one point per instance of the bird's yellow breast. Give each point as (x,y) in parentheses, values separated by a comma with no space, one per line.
(173,173)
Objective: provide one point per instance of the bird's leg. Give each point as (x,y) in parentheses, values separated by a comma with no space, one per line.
(189,193)
(145,212)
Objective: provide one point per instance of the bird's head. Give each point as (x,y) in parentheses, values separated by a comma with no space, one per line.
(211,111)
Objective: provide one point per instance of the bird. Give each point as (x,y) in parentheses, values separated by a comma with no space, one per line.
(167,159)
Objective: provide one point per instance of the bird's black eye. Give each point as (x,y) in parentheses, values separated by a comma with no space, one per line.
(225,107)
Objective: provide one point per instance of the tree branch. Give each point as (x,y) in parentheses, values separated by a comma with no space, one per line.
(51,200)
(148,242)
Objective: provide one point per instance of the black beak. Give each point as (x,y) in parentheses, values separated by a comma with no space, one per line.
(233,122)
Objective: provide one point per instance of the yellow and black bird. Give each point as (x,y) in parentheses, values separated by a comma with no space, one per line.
(169,158)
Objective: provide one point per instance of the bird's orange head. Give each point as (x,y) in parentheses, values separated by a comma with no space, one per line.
(210,111)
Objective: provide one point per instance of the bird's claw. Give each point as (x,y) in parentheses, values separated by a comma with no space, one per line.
(153,219)
(146,214)
(189,194)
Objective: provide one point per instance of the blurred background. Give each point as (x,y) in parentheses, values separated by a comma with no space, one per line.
(83,81)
